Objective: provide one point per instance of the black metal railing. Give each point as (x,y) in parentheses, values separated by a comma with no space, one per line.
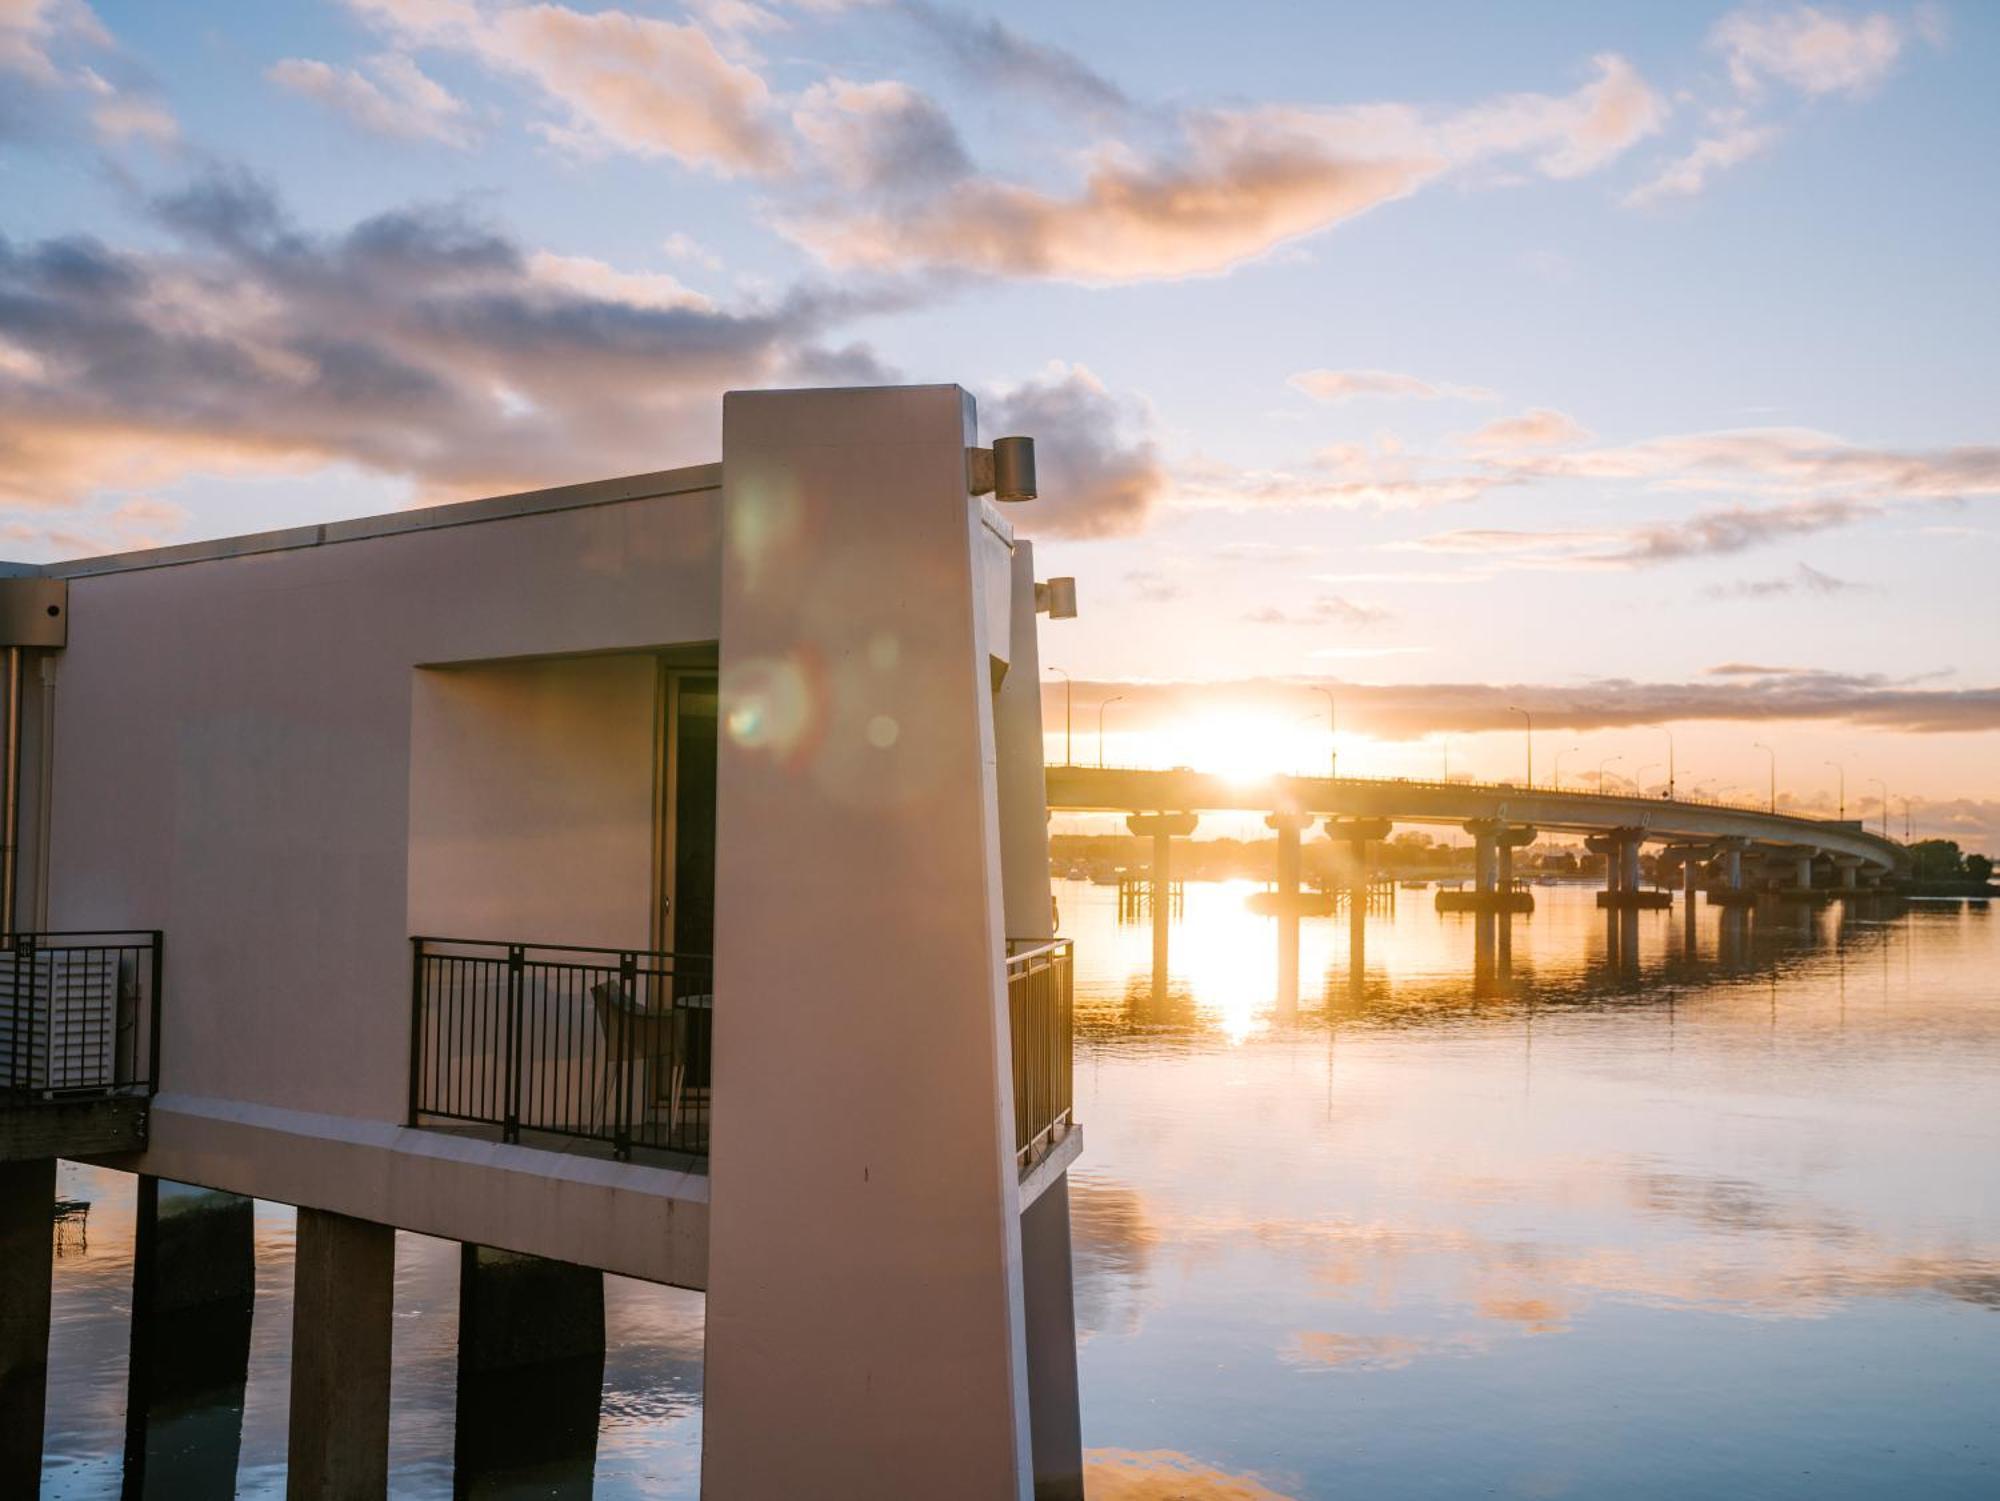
(606,1045)
(79,1014)
(1039,995)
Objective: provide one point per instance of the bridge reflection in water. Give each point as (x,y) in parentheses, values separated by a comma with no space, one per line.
(1375,962)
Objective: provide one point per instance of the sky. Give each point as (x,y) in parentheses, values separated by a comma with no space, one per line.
(1629,364)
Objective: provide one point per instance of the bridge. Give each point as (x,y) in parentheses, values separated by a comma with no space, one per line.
(1737,854)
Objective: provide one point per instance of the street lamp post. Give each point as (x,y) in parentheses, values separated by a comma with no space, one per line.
(1567,750)
(1841,772)
(1760,745)
(1878,782)
(1332,734)
(1067,760)
(1530,732)
(1639,776)
(1670,759)
(1115,698)
(1600,772)
(1906,819)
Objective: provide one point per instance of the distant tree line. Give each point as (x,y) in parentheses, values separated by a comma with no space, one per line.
(1943,860)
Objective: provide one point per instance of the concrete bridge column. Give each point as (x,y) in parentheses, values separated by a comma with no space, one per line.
(341,1317)
(1163,827)
(1802,868)
(27,1260)
(1850,872)
(194,1285)
(1484,866)
(1357,833)
(530,1371)
(1289,865)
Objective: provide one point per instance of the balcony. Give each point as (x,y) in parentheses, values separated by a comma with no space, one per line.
(1039,994)
(561,1046)
(79,1042)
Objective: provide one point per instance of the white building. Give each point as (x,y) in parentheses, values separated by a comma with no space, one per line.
(441,816)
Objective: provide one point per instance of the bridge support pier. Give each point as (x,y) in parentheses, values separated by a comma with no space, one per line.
(341,1320)
(1494,841)
(1163,827)
(530,1370)
(194,1284)
(1357,834)
(1850,872)
(1290,863)
(1729,863)
(27,1261)
(1622,888)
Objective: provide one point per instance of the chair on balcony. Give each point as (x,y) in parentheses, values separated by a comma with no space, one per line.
(637,1034)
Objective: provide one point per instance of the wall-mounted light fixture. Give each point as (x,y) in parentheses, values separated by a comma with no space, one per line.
(1006,471)
(1056,599)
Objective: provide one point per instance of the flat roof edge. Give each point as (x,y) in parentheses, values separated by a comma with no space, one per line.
(664,482)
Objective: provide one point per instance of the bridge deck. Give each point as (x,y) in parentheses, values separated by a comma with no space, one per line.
(1665,820)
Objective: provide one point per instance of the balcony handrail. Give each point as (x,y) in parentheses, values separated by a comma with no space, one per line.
(571,1040)
(66,1034)
(1041,1030)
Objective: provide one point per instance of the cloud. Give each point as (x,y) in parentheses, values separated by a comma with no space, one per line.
(31,31)
(1154,588)
(1228,186)
(1687,175)
(418,343)
(613,80)
(1538,427)
(1328,609)
(1752,670)
(993,55)
(1805,579)
(884,138)
(1411,711)
(1098,473)
(1346,385)
(1814,51)
(400,100)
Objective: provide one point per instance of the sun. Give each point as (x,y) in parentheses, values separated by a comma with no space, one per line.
(1242,748)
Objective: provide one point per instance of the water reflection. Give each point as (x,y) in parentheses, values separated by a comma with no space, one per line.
(1654,1201)
(1659,1203)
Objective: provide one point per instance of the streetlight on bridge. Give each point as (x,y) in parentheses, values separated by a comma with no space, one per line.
(1639,776)
(1600,772)
(1670,759)
(1115,698)
(1878,782)
(1841,771)
(1760,745)
(1568,750)
(1531,742)
(1067,760)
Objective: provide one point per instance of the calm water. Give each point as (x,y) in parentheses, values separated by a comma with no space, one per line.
(1576,1220)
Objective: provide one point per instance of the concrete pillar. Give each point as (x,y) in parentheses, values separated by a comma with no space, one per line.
(1732,867)
(27,1257)
(1162,827)
(1047,1280)
(1503,872)
(1051,1319)
(194,1286)
(341,1316)
(865,1321)
(1850,872)
(1802,876)
(1289,865)
(1483,869)
(1022,787)
(530,1374)
(1628,862)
